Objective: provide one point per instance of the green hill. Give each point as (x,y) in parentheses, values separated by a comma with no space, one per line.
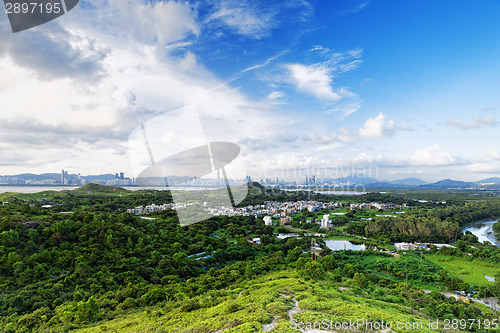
(265,302)
(96,188)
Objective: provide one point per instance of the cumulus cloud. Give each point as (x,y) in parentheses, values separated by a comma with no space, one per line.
(154,22)
(136,77)
(377,127)
(476,122)
(57,55)
(432,156)
(490,163)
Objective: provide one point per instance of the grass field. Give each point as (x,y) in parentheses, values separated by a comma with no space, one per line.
(471,270)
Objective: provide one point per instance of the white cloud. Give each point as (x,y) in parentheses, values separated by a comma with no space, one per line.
(317,79)
(432,156)
(313,80)
(476,122)
(275,95)
(136,80)
(245,18)
(377,127)
(358,8)
(276,98)
(254,19)
(343,136)
(493,154)
(344,110)
(161,21)
(481,167)
(170,21)
(188,63)
(489,164)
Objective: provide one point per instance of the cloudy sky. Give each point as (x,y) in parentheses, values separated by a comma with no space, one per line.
(391,88)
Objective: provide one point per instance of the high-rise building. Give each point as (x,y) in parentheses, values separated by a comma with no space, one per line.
(122,175)
(62,176)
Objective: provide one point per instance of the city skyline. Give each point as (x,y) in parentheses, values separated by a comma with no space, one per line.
(405,89)
(120,179)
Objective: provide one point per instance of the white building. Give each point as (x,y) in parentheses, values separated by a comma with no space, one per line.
(325,222)
(312,208)
(268,220)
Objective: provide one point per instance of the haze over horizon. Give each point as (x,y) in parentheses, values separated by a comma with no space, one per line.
(394,89)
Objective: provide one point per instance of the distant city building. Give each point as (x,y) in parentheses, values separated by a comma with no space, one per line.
(285,220)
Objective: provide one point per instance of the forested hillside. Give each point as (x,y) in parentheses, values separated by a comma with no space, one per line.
(69,260)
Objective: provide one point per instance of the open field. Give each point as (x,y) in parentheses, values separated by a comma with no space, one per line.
(471,270)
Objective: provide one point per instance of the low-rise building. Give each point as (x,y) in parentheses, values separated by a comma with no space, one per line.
(268,220)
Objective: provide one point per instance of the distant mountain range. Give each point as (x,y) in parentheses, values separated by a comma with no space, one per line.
(448,183)
(357,180)
(491,180)
(370,182)
(409,181)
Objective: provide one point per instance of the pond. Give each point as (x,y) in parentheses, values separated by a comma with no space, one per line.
(340,244)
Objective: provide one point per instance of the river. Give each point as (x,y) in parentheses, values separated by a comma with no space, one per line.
(484,232)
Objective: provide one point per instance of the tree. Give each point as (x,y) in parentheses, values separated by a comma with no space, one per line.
(294,254)
(328,262)
(300,264)
(313,270)
(359,280)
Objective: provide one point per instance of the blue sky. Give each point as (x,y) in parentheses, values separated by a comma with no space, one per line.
(391,89)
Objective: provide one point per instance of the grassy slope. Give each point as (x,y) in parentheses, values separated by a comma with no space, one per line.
(254,303)
(471,270)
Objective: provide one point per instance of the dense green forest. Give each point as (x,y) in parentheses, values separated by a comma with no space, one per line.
(81,261)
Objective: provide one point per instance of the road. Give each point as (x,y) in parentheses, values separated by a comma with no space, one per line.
(492,302)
